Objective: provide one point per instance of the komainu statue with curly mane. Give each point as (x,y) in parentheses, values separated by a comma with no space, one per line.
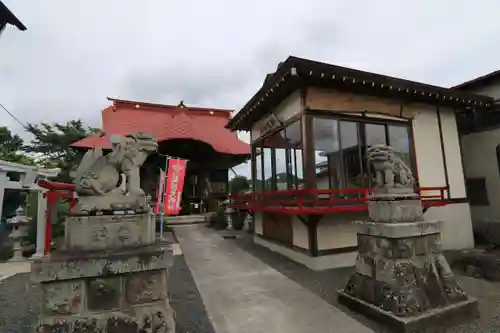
(390,170)
(98,177)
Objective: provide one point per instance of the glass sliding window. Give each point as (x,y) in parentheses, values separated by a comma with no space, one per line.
(375,134)
(258,181)
(282,172)
(326,151)
(351,155)
(267,171)
(399,140)
(293,134)
(279,165)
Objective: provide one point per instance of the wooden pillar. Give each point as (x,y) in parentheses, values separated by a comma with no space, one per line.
(308,152)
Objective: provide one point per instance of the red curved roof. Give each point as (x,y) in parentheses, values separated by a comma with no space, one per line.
(167,122)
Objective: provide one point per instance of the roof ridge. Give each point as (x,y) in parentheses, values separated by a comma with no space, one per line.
(167,106)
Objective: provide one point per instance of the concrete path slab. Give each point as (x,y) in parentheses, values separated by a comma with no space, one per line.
(9,269)
(244,295)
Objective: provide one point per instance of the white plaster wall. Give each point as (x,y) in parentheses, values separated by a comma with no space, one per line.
(258,223)
(291,106)
(457,227)
(479,152)
(300,233)
(338,230)
(480,160)
(453,154)
(428,148)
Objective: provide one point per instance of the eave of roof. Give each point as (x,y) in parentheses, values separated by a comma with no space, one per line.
(6,16)
(297,72)
(477,81)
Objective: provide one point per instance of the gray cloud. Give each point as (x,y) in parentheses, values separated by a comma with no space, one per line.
(216,53)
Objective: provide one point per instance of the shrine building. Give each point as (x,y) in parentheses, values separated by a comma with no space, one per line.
(480,139)
(310,125)
(192,133)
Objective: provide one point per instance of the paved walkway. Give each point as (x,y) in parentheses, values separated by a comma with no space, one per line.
(9,269)
(244,295)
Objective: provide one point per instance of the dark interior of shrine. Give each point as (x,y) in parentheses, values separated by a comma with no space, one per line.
(206,183)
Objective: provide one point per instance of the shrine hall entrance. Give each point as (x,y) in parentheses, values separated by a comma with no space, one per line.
(206,183)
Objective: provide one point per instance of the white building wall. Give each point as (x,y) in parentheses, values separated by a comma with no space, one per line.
(336,231)
(480,161)
(479,156)
(457,226)
(300,233)
(257,220)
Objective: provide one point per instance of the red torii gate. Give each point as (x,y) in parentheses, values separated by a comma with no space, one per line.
(55,190)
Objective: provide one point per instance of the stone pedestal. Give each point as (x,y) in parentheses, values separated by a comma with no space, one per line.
(109,277)
(401,275)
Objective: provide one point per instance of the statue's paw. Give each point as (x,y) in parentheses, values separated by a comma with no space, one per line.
(137,193)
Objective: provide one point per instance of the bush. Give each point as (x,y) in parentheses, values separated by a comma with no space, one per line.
(238,218)
(218,220)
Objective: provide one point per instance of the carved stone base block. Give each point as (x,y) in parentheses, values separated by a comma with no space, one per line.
(121,290)
(405,280)
(103,232)
(421,323)
(397,210)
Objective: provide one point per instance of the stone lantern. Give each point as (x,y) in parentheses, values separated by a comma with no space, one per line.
(229,214)
(19,232)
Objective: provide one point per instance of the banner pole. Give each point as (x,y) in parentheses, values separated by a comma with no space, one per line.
(162,214)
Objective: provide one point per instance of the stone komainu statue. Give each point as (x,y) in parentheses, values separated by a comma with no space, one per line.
(98,176)
(390,170)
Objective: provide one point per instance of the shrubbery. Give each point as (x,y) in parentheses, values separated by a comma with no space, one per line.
(218,220)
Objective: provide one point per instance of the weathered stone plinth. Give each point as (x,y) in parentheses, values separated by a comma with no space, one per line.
(108,281)
(401,276)
(109,231)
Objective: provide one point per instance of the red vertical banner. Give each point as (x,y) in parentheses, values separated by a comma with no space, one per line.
(175,184)
(159,193)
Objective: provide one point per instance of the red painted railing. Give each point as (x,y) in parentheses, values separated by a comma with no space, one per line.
(330,201)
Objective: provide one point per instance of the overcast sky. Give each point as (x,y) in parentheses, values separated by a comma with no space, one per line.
(216,53)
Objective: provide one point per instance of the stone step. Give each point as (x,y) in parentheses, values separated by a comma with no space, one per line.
(186,219)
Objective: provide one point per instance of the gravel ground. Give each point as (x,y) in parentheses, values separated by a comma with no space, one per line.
(20,302)
(190,313)
(326,283)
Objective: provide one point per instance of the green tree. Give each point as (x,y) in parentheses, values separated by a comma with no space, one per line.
(11,147)
(52,143)
(239,184)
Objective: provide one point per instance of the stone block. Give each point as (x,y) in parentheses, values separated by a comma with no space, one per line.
(102,232)
(440,318)
(399,230)
(488,231)
(74,265)
(154,318)
(145,287)
(390,211)
(402,248)
(421,245)
(63,297)
(104,293)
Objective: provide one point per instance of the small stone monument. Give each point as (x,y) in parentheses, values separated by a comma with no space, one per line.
(402,277)
(19,232)
(110,276)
